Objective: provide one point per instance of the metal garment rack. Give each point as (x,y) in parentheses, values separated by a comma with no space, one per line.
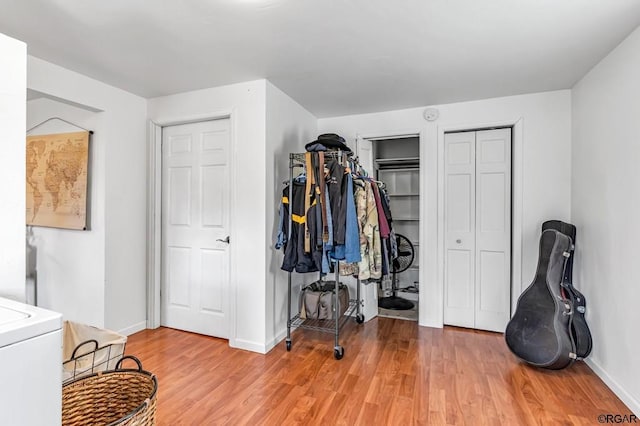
(326,326)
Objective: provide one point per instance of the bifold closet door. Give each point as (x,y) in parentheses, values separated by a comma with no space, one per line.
(460,228)
(478,229)
(493,229)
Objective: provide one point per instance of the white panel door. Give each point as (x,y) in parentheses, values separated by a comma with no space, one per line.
(195,225)
(459,228)
(477,229)
(364,151)
(493,229)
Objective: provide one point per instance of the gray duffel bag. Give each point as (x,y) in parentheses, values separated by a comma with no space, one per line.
(317,300)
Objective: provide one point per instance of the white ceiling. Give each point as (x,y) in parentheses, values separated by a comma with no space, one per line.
(333,57)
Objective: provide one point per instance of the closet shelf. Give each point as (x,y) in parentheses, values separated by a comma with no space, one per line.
(404,195)
(405,219)
(410,289)
(399,169)
(398,162)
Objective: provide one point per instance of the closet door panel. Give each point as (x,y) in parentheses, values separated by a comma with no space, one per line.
(459,297)
(491,298)
(460,223)
(364,149)
(491,203)
(459,196)
(493,233)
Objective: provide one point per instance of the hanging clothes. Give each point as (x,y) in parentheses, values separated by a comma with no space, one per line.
(352,236)
(327,247)
(334,185)
(349,250)
(314,229)
(385,231)
(336,218)
(281,236)
(382,218)
(370,265)
(385,201)
(316,225)
(295,258)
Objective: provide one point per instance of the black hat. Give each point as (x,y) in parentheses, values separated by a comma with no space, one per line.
(329,140)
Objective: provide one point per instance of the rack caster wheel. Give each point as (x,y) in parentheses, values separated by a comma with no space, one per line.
(338,352)
(360,318)
(288,345)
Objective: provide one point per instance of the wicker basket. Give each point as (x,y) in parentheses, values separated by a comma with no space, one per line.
(118,397)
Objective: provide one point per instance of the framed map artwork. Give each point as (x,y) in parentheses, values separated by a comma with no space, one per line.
(57,171)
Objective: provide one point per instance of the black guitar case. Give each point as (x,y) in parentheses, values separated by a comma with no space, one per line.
(579,328)
(539,332)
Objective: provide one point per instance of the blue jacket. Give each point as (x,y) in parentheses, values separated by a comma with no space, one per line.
(350,250)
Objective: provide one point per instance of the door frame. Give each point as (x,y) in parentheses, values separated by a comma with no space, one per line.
(154,213)
(517,145)
(422,224)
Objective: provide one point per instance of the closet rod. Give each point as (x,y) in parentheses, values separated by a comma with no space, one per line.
(61,119)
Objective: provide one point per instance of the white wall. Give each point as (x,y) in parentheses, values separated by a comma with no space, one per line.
(545,119)
(126,215)
(246,104)
(13,92)
(122,162)
(606,210)
(70,263)
(289,128)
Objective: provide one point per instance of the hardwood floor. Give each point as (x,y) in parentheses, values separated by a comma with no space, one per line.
(393,373)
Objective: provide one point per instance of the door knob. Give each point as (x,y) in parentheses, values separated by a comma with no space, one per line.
(226,240)
(457,241)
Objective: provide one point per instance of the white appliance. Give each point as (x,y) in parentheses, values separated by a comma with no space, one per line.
(30,365)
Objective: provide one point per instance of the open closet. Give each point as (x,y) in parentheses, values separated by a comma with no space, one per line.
(396,162)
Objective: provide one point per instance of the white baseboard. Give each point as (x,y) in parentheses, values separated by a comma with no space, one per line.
(249,346)
(630,401)
(279,338)
(429,323)
(128,331)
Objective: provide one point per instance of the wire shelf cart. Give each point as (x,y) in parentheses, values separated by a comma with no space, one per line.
(325,325)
